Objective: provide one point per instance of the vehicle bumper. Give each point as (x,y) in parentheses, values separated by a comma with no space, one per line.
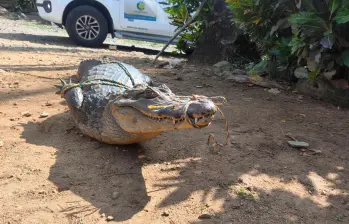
(50,10)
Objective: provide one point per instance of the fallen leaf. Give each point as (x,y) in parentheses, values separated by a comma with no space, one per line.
(298,144)
(205,216)
(165,214)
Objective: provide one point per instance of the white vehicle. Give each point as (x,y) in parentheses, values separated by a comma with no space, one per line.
(88,22)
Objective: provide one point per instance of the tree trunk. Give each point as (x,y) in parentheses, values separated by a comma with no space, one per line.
(218,42)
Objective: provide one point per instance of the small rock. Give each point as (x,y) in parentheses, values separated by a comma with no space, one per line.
(1,144)
(238,78)
(274,91)
(240,180)
(146,158)
(3,11)
(236,205)
(165,214)
(340,168)
(324,192)
(221,67)
(297,144)
(303,115)
(43,114)
(103,215)
(205,216)
(174,63)
(48,104)
(110,218)
(26,114)
(115,195)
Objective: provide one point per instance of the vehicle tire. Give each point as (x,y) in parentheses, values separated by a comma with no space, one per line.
(87,26)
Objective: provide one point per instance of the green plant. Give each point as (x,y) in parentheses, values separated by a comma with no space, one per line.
(180,11)
(26,5)
(321,38)
(242,192)
(266,24)
(261,20)
(307,38)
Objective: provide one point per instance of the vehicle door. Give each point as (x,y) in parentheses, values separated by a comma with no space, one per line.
(143,16)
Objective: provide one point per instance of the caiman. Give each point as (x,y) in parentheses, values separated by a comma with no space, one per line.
(115,103)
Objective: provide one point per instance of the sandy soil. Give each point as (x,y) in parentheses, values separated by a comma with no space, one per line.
(51,173)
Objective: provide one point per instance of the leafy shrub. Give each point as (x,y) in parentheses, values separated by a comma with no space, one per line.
(321,37)
(180,11)
(307,37)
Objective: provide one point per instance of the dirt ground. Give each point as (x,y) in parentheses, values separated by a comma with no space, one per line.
(51,173)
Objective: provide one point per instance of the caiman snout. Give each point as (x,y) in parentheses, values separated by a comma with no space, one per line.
(198,109)
(201,112)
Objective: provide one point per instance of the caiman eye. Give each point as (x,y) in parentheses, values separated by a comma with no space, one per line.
(150,93)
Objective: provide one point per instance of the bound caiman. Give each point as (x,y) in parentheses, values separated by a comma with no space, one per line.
(115,103)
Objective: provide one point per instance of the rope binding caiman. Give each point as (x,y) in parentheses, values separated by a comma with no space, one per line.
(211,141)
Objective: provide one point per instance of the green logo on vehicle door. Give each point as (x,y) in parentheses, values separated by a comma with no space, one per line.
(141,5)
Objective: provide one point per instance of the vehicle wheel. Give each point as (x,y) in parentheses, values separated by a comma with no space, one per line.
(86,26)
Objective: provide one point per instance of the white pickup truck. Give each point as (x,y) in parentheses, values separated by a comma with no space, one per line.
(88,22)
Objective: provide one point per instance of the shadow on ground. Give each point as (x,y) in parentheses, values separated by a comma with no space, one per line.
(110,177)
(107,176)
(41,68)
(66,42)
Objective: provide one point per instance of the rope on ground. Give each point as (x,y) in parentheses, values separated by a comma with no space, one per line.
(215,146)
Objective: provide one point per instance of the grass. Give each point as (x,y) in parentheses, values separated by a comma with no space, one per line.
(244,193)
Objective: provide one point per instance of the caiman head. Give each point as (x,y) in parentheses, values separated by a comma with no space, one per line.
(156,109)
